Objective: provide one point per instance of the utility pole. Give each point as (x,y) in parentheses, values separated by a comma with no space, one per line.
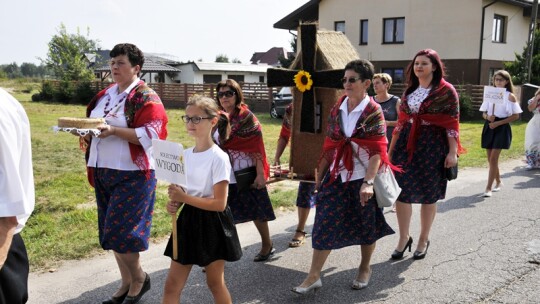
(530,44)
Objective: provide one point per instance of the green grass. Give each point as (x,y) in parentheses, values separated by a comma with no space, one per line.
(64,223)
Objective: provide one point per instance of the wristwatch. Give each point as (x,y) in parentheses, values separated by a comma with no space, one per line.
(369,182)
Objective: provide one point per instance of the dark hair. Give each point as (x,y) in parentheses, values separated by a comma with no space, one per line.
(363,67)
(235,87)
(504,74)
(134,54)
(438,74)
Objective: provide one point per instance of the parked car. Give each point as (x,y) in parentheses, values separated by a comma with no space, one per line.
(281,101)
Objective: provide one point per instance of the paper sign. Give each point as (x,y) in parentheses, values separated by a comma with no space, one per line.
(494,95)
(169,157)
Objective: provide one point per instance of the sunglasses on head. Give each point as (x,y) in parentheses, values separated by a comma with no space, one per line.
(226,94)
(344,80)
(194,119)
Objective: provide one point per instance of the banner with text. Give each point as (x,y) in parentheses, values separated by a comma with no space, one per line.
(169,157)
(494,95)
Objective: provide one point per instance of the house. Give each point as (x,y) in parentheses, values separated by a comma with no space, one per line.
(213,72)
(473,37)
(271,57)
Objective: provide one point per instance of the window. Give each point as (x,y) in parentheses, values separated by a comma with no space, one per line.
(363,32)
(394,30)
(211,78)
(396,74)
(498,33)
(237,78)
(339,26)
(261,78)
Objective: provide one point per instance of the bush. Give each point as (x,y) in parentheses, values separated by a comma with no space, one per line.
(83,93)
(65,92)
(47,91)
(465,106)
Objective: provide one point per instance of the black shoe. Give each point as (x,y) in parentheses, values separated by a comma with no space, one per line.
(263,257)
(116,300)
(144,289)
(418,255)
(398,255)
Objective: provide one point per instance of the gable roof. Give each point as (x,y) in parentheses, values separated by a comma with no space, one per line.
(270,57)
(306,13)
(229,67)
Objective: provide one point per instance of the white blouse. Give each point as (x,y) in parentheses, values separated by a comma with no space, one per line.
(504,110)
(113,152)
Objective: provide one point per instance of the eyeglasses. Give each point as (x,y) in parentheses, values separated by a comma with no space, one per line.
(226,94)
(344,80)
(194,119)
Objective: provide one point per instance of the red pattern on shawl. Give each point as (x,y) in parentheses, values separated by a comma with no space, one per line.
(246,136)
(143,107)
(369,134)
(285,132)
(440,108)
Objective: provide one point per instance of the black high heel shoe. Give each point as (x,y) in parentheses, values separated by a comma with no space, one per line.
(116,300)
(398,255)
(418,255)
(144,289)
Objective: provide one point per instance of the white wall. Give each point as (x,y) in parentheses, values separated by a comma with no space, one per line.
(451,27)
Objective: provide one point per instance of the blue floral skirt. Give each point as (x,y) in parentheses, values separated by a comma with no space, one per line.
(341,221)
(125,203)
(305,197)
(250,205)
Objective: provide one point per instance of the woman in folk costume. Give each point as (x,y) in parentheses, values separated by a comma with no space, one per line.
(532,134)
(121,167)
(354,150)
(497,133)
(305,200)
(425,142)
(245,148)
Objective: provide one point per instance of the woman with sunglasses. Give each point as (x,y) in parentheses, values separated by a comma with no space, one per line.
(424,143)
(246,151)
(121,167)
(497,133)
(355,147)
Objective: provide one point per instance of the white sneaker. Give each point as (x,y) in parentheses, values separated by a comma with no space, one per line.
(497,188)
(486,194)
(529,167)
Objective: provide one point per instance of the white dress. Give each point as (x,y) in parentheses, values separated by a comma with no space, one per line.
(532,139)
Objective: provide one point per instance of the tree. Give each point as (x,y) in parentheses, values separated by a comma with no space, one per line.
(12,70)
(66,55)
(29,69)
(236,60)
(222,58)
(286,62)
(518,67)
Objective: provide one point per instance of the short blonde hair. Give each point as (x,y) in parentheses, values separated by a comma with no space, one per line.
(207,104)
(384,77)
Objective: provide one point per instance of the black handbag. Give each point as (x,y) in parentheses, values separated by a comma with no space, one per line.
(245,178)
(451,173)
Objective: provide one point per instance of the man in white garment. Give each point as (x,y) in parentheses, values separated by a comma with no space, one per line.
(17,198)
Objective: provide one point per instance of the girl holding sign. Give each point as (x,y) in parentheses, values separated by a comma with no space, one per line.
(205,227)
(497,134)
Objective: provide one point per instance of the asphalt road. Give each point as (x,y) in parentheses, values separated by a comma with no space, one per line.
(483,250)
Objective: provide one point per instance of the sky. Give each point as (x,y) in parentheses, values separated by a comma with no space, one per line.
(188,30)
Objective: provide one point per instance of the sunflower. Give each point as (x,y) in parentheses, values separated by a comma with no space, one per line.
(303,81)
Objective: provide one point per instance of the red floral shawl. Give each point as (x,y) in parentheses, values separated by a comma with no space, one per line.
(245,136)
(440,108)
(143,108)
(369,134)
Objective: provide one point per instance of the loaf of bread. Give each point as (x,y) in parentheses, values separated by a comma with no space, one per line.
(80,123)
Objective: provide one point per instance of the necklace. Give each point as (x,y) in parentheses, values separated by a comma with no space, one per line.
(106,108)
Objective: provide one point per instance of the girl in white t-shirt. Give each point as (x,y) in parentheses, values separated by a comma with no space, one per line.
(206,232)
(497,134)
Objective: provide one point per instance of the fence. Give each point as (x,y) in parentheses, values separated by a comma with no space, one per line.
(476,92)
(175,95)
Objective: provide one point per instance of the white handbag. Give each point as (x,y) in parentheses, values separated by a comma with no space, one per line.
(386,187)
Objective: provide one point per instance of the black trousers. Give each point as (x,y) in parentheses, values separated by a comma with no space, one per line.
(14,274)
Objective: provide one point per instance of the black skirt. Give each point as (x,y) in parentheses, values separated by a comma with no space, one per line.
(498,138)
(205,236)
